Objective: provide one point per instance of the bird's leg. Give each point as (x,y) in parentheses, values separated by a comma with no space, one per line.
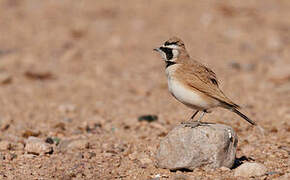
(194,124)
(201,116)
(190,121)
(194,115)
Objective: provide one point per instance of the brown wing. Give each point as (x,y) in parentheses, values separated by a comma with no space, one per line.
(207,75)
(204,79)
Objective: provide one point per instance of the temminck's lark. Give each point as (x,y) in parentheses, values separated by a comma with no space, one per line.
(192,83)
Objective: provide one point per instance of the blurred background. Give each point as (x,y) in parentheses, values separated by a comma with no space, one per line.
(86,70)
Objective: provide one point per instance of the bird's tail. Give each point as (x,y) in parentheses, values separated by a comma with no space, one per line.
(228,104)
(244,116)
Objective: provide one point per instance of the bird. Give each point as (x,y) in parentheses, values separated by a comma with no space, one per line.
(192,83)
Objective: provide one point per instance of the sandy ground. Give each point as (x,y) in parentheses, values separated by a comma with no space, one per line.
(85,70)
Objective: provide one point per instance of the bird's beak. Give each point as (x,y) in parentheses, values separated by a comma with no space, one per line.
(156,49)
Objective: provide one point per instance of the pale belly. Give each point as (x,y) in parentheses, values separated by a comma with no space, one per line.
(191,98)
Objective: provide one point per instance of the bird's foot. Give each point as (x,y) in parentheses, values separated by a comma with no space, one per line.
(193,124)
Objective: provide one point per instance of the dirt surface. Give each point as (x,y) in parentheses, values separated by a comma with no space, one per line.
(84,71)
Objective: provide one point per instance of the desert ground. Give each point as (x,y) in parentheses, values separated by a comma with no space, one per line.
(78,75)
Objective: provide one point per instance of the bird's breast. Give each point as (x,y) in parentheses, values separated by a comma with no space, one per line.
(188,96)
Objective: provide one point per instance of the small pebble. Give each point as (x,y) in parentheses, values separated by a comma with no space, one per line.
(49,140)
(75,144)
(145,161)
(60,126)
(133,156)
(250,169)
(37,146)
(79,144)
(63,144)
(18,146)
(28,156)
(90,155)
(180,177)
(225,168)
(67,108)
(29,133)
(148,118)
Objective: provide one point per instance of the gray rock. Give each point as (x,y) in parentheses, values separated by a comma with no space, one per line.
(209,145)
(37,146)
(250,169)
(79,144)
(73,144)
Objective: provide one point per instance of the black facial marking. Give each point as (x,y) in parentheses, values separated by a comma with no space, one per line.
(168,52)
(169,63)
(170,43)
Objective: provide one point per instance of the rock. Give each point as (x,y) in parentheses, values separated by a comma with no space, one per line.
(62,146)
(5,145)
(67,108)
(225,168)
(29,133)
(60,126)
(72,144)
(209,145)
(37,146)
(79,144)
(148,118)
(145,161)
(18,146)
(180,177)
(250,169)
(49,140)
(133,156)
(28,156)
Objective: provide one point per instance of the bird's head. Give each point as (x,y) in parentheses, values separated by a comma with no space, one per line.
(171,49)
